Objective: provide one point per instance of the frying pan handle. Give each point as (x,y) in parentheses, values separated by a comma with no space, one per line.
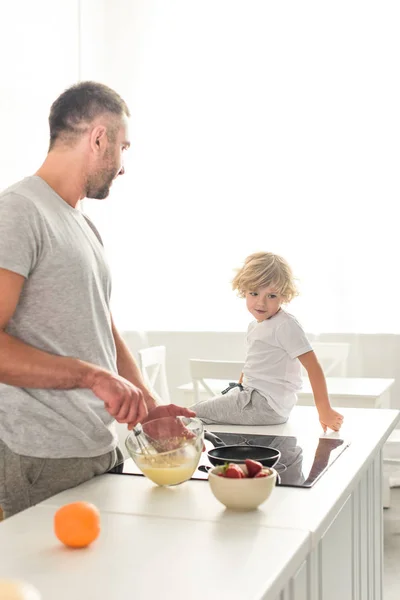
(214,439)
(204,468)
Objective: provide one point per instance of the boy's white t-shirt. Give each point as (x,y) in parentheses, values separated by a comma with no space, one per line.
(271,366)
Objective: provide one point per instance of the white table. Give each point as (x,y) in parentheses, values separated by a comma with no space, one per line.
(351,392)
(354,392)
(338,523)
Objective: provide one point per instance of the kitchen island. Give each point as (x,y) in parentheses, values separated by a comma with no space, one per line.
(322,543)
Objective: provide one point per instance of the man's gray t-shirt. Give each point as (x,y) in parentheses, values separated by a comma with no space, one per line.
(63,310)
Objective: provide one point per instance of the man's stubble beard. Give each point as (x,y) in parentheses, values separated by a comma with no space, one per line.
(99,189)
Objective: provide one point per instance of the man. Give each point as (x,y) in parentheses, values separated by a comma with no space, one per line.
(65,372)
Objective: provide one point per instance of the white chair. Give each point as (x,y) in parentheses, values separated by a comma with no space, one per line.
(202,370)
(332,356)
(136,340)
(153,368)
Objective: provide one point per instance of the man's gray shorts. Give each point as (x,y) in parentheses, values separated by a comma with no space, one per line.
(26,480)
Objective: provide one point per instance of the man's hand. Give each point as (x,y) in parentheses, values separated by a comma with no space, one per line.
(330,418)
(168,410)
(123,400)
(168,432)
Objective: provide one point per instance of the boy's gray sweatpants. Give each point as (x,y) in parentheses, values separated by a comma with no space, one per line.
(236,407)
(26,480)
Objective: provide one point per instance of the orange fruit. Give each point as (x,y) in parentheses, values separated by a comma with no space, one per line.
(77,525)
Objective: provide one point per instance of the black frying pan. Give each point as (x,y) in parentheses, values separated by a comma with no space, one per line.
(238,453)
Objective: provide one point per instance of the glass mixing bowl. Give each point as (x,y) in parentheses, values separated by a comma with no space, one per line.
(167,450)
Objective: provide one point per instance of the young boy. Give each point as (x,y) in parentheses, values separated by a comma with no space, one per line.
(275,346)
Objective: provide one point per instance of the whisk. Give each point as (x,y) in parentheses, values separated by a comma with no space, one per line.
(143,441)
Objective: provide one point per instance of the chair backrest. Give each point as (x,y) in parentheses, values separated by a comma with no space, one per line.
(333,357)
(201,370)
(153,368)
(135,340)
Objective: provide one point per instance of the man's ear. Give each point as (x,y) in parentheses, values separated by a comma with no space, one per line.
(98,139)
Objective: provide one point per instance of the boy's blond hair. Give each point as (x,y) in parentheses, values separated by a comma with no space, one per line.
(263,269)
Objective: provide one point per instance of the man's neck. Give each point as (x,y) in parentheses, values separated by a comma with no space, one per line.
(62,175)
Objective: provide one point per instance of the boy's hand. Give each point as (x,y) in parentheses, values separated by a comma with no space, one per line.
(330,418)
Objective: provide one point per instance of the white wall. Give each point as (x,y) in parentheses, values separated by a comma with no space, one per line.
(39,49)
(94,40)
(45,46)
(255,125)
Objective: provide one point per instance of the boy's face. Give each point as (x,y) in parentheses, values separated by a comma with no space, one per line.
(263,303)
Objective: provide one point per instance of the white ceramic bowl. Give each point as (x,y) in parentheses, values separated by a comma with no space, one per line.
(241,494)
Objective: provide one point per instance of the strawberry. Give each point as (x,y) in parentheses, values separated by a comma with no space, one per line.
(253,467)
(261,474)
(233,472)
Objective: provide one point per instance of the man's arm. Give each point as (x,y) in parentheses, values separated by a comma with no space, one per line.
(128,368)
(22,365)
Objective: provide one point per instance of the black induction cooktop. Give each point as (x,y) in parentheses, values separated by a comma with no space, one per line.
(303,461)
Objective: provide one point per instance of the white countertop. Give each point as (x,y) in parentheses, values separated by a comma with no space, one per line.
(295,508)
(149,557)
(158,542)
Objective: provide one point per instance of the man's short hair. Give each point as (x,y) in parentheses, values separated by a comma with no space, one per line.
(79,105)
